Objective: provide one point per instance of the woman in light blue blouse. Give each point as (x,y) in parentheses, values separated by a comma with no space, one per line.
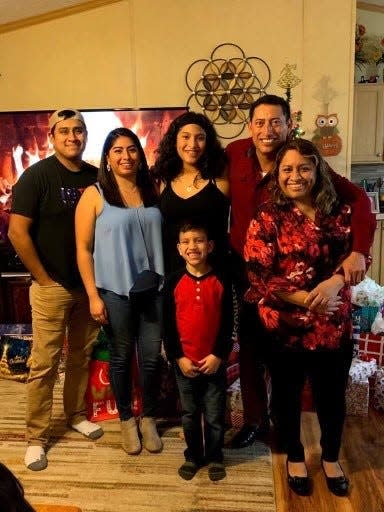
(119,251)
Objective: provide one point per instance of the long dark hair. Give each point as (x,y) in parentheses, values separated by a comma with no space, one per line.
(168,164)
(12,493)
(323,193)
(108,181)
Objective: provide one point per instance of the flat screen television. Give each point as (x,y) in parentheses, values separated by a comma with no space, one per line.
(24,141)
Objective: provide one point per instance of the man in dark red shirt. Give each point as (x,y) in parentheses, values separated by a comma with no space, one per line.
(250,161)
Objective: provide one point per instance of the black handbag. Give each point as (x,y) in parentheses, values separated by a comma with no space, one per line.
(146,282)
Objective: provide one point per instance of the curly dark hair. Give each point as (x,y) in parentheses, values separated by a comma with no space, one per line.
(323,192)
(108,181)
(168,163)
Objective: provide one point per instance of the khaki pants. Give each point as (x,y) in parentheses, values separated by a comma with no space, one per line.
(56,312)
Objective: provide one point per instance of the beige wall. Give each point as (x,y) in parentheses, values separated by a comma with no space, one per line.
(135,53)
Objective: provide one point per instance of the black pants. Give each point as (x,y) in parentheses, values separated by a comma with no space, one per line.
(254,343)
(328,375)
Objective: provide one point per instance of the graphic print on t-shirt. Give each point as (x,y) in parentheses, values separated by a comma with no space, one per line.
(70,196)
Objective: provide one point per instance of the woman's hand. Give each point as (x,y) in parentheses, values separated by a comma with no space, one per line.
(98,310)
(187,367)
(209,364)
(324,299)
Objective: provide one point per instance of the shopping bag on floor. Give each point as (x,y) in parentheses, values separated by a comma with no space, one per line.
(14,354)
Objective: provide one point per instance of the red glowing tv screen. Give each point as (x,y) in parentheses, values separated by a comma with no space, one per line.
(24,140)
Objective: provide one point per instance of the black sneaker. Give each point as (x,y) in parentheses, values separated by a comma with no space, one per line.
(216,471)
(188,470)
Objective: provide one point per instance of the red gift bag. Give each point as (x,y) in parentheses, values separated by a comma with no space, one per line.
(101,403)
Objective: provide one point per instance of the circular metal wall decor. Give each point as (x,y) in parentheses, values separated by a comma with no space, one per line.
(225,85)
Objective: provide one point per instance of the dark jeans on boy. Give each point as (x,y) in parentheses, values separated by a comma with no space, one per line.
(203,413)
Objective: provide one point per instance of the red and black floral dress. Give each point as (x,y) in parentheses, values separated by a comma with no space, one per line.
(285,252)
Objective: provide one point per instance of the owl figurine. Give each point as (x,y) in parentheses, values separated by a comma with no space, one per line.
(326,125)
(326,137)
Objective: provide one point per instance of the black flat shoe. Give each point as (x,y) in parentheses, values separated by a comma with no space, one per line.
(249,434)
(338,485)
(301,485)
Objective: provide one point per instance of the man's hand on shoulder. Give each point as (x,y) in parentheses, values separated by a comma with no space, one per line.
(354,268)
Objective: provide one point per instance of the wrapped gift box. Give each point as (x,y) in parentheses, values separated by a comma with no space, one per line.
(372,346)
(15,329)
(367,316)
(234,406)
(357,397)
(378,393)
(357,393)
(233,373)
(15,351)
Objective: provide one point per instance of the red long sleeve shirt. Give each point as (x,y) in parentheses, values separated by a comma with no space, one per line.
(197,316)
(249,190)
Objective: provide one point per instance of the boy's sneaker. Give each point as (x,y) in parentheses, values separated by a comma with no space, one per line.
(188,470)
(216,471)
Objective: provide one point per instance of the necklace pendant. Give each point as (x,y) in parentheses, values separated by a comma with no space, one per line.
(189,188)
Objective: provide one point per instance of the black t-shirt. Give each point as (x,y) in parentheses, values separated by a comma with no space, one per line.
(48,193)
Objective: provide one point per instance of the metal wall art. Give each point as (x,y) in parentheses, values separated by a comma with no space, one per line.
(225,85)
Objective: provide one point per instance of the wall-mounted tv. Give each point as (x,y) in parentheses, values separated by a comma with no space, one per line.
(24,141)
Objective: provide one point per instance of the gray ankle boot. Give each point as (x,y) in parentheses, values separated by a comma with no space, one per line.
(130,437)
(151,439)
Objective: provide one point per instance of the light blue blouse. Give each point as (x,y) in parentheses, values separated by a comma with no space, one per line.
(127,241)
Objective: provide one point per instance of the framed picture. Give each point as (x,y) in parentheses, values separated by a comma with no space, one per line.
(374,198)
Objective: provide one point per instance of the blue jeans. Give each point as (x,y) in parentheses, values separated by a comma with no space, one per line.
(133,323)
(203,395)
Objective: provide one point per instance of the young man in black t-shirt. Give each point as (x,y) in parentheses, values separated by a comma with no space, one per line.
(42,232)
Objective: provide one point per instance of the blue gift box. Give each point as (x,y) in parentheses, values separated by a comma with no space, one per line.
(367,315)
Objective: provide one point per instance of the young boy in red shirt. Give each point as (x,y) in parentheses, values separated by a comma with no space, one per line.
(197,338)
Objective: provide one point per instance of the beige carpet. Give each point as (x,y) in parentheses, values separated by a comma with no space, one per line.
(100,477)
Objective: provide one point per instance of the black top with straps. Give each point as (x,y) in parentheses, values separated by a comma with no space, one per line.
(210,205)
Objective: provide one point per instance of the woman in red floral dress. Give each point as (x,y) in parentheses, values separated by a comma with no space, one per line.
(294,247)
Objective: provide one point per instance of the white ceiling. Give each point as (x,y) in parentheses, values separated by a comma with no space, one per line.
(13,10)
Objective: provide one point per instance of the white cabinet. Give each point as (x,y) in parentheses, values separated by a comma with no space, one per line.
(376,270)
(368,123)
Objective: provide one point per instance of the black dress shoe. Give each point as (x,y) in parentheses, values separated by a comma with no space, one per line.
(338,485)
(301,485)
(249,433)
